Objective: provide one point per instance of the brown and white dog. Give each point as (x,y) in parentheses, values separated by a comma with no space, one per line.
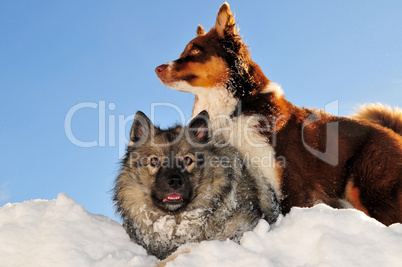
(307,155)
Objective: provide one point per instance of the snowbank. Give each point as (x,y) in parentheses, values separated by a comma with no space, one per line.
(61,233)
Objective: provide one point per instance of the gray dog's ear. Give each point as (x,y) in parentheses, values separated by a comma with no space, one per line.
(199,127)
(141,130)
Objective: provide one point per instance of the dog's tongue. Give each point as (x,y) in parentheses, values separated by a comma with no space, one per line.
(173,197)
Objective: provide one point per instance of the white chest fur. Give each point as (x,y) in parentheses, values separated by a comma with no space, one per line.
(243,133)
(217,101)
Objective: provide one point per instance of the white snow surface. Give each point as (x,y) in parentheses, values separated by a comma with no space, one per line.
(61,232)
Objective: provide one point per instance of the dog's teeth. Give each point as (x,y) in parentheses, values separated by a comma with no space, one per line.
(172,197)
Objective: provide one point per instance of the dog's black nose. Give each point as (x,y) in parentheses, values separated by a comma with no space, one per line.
(175,181)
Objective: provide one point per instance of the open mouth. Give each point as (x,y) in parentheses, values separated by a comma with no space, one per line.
(173,203)
(174,199)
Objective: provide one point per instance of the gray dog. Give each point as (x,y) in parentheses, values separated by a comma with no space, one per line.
(176,187)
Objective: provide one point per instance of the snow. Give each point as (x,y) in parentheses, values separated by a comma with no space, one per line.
(61,232)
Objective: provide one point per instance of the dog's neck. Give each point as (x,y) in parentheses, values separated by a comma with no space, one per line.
(218,101)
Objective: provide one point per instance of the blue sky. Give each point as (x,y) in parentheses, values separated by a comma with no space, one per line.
(98,57)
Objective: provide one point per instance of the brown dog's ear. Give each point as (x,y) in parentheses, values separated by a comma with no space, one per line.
(225,22)
(141,130)
(200,30)
(199,129)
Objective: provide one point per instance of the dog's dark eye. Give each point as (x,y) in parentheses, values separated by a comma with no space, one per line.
(187,161)
(154,161)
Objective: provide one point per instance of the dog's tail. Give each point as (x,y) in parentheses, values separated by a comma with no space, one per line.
(382,115)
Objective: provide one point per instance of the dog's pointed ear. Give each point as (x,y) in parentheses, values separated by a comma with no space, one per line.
(199,128)
(225,23)
(141,130)
(200,30)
